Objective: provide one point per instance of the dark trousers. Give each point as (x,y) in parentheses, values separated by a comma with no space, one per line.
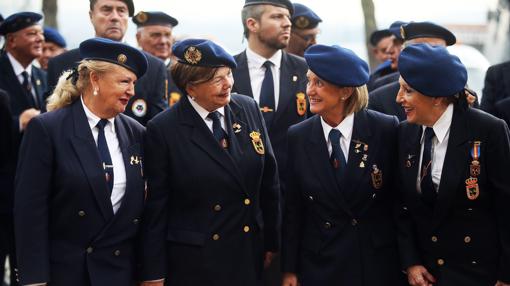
(7,248)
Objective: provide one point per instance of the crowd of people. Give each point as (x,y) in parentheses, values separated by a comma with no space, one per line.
(291,163)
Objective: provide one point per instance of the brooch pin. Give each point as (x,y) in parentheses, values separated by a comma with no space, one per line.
(236,127)
(135,160)
(257,142)
(408,160)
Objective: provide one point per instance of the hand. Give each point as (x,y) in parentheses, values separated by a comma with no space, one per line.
(268,257)
(153,283)
(500,283)
(26,116)
(289,279)
(418,275)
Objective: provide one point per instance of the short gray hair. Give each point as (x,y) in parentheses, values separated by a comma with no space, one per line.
(251,11)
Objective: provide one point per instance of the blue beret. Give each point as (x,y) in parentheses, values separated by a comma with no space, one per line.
(304,17)
(395,29)
(280,3)
(202,53)
(53,36)
(415,30)
(432,70)
(19,21)
(101,49)
(154,18)
(378,35)
(337,65)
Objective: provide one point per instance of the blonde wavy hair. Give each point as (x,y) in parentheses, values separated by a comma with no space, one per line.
(66,92)
(357,101)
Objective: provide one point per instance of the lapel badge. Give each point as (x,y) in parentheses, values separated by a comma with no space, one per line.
(377,180)
(362,164)
(357,145)
(174,98)
(224,143)
(38,82)
(294,78)
(472,190)
(257,142)
(474,168)
(364,158)
(408,162)
(365,147)
(135,160)
(356,151)
(237,127)
(301,103)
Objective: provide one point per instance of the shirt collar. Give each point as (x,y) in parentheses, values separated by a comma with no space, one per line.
(202,111)
(17,67)
(345,127)
(442,125)
(94,119)
(257,61)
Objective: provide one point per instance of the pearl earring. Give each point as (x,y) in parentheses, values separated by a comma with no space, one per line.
(95,92)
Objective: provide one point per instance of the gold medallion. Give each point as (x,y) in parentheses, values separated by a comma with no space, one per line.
(474,168)
(257,142)
(236,127)
(122,58)
(362,165)
(192,55)
(301,103)
(472,190)
(142,17)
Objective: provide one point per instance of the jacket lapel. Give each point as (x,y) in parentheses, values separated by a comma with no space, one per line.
(242,82)
(88,155)
(10,79)
(288,82)
(319,157)
(37,83)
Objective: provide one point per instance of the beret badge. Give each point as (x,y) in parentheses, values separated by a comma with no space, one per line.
(301,22)
(122,58)
(402,32)
(192,55)
(142,17)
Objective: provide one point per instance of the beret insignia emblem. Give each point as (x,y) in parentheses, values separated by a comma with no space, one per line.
(192,55)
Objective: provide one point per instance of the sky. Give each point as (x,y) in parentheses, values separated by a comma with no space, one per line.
(221,19)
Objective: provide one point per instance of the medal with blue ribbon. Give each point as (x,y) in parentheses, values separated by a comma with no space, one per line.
(474,168)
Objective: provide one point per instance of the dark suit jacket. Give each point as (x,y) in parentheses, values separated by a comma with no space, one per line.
(387,79)
(150,90)
(66,231)
(497,86)
(470,236)
(502,110)
(6,153)
(380,71)
(384,98)
(327,238)
(210,214)
(292,81)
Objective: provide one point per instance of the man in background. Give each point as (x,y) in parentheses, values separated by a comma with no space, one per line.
(304,30)
(54,45)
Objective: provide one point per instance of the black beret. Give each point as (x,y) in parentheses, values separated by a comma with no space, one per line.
(18,21)
(143,18)
(280,3)
(378,35)
(415,30)
(304,18)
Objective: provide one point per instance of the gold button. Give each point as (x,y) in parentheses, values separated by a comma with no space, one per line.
(327,225)
(354,222)
(81,213)
(440,262)
(90,249)
(434,238)
(216,236)
(136,221)
(217,208)
(467,239)
(247,202)
(116,252)
(246,228)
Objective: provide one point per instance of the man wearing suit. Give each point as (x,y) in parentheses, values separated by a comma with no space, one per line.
(25,85)
(502,110)
(497,86)
(154,36)
(110,20)
(382,99)
(274,78)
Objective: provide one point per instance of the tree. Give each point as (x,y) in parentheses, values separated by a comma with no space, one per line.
(370,27)
(50,9)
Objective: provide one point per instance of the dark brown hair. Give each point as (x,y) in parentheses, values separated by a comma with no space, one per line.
(184,74)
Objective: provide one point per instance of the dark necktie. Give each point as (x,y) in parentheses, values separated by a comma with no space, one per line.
(266,101)
(337,156)
(104,153)
(427,187)
(218,132)
(27,88)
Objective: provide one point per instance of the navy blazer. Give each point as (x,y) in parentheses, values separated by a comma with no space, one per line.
(6,153)
(384,100)
(292,83)
(497,86)
(210,214)
(502,110)
(461,241)
(66,231)
(150,89)
(327,238)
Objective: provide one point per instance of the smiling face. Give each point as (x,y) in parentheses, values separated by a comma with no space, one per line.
(110,19)
(26,44)
(419,108)
(273,29)
(156,40)
(215,92)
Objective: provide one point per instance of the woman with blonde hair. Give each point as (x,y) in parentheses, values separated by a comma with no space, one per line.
(338,227)
(79,185)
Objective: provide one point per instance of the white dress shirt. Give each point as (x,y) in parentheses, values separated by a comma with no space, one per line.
(257,72)
(203,114)
(439,146)
(119,170)
(345,127)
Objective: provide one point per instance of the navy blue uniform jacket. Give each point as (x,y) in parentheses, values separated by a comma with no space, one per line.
(210,214)
(497,86)
(502,110)
(460,241)
(150,89)
(292,82)
(328,239)
(384,100)
(66,231)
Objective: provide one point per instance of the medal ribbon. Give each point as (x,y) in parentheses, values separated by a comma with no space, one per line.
(475,151)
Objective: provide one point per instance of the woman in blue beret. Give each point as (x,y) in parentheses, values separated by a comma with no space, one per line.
(79,183)
(212,215)
(338,226)
(454,224)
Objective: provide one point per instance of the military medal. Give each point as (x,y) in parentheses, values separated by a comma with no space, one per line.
(134,160)
(362,165)
(236,127)
(365,157)
(257,142)
(301,103)
(376,177)
(474,168)
(174,98)
(472,190)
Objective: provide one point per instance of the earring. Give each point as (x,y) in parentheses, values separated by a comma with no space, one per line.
(95,92)
(343,98)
